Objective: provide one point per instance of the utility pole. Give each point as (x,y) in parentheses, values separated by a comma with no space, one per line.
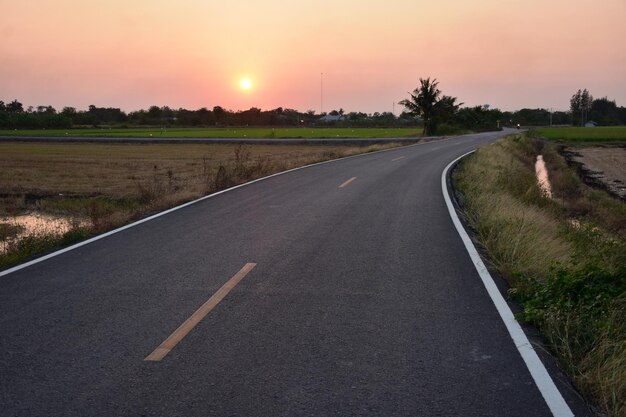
(321,93)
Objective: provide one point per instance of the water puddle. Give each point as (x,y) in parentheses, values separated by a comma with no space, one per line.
(37,224)
(542,177)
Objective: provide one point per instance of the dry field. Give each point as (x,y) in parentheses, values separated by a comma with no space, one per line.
(55,194)
(120,170)
(604,164)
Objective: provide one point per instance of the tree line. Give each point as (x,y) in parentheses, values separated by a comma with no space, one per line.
(426,105)
(441,113)
(584,108)
(13,115)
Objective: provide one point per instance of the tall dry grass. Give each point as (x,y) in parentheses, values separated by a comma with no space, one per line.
(505,208)
(565,259)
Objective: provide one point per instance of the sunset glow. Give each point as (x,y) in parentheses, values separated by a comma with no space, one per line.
(191,53)
(245,84)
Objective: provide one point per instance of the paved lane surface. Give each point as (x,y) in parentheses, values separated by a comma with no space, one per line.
(359,299)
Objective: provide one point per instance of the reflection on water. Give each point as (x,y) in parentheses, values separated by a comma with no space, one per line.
(37,223)
(542,177)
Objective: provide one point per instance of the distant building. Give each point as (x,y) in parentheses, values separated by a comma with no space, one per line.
(591,123)
(330,118)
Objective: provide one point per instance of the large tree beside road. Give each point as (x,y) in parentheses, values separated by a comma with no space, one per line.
(425,102)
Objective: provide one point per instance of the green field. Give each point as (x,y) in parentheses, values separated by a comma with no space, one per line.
(584,134)
(224,132)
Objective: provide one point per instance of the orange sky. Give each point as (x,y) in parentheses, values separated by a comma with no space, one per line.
(193,53)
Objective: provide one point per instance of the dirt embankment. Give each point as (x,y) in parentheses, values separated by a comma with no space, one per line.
(602,166)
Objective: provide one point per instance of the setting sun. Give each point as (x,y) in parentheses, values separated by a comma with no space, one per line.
(245,84)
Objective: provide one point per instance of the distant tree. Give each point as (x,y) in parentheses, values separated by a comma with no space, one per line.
(155,114)
(586,102)
(445,109)
(292,117)
(426,103)
(580,105)
(167,113)
(603,105)
(98,115)
(71,114)
(46,109)
(205,116)
(137,117)
(561,117)
(220,114)
(621,115)
(479,118)
(15,107)
(575,105)
(251,116)
(276,116)
(187,118)
(382,119)
(357,116)
(531,117)
(3,107)
(604,112)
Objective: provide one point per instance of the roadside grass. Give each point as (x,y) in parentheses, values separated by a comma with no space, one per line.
(583,134)
(565,258)
(38,243)
(98,187)
(225,132)
(9,231)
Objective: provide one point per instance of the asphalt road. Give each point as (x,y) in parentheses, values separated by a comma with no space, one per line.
(363,301)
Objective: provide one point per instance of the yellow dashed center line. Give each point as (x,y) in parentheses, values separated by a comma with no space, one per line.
(347,182)
(182,331)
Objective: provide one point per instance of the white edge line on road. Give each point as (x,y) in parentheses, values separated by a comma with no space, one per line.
(206,197)
(538,371)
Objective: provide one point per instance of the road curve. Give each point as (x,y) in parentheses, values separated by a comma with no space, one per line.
(338,289)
